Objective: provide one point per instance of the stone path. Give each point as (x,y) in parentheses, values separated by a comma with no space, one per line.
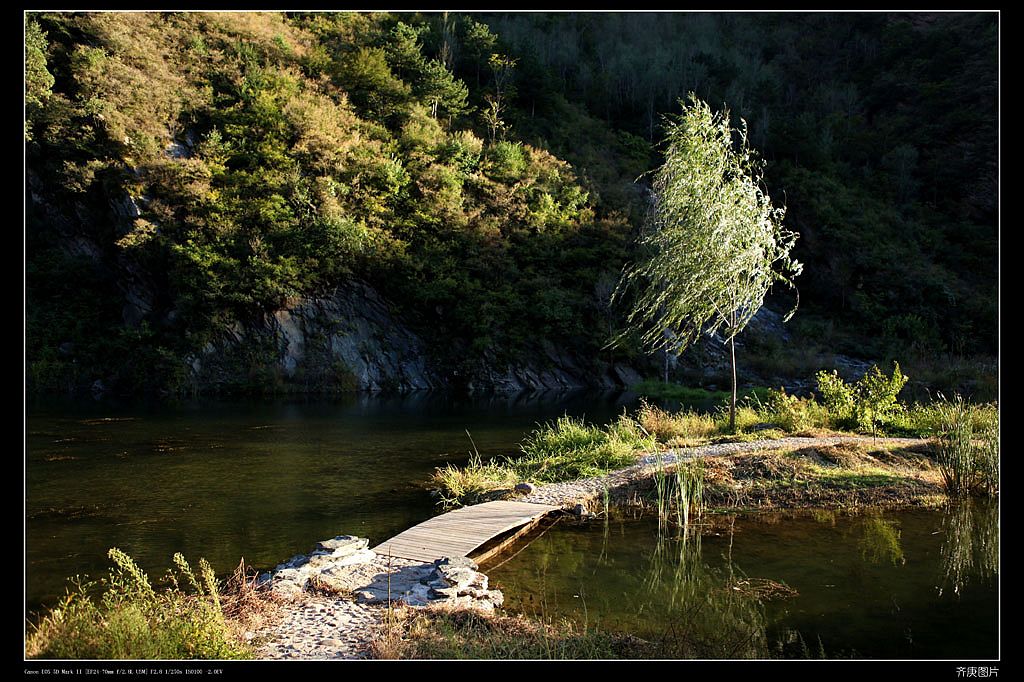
(336,598)
(315,625)
(321,627)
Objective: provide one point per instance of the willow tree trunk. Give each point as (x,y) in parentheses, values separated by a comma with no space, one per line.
(732,352)
(732,403)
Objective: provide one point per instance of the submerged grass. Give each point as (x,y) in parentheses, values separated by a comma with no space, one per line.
(132,620)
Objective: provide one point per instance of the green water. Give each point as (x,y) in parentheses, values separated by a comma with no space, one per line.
(266,480)
(262,481)
(901,585)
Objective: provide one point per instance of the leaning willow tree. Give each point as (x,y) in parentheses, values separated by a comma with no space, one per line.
(712,244)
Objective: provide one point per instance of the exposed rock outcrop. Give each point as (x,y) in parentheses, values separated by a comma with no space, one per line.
(351,340)
(345,340)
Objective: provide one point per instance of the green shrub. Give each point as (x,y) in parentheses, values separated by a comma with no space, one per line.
(462,150)
(876,396)
(790,412)
(131,620)
(506,161)
(870,402)
(838,398)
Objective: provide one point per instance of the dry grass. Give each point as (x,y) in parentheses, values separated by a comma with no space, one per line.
(390,643)
(847,475)
(438,632)
(132,620)
(246,604)
(680,429)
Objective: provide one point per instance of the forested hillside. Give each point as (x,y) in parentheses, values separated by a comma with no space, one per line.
(189,174)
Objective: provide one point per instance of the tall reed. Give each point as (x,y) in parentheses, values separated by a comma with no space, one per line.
(969,465)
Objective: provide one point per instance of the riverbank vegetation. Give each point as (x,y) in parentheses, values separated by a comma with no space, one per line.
(838,476)
(967,448)
(966,438)
(123,616)
(659,390)
(466,634)
(471,634)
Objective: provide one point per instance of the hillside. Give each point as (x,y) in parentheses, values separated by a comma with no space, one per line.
(264,202)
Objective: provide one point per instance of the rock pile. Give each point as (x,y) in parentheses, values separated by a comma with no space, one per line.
(343,566)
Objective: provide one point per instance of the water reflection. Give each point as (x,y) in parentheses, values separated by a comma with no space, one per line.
(881,541)
(712,612)
(789,585)
(970,547)
(259,478)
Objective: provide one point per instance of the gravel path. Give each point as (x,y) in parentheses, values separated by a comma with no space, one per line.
(319,627)
(316,626)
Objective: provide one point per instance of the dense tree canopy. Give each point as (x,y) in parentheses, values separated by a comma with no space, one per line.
(187,171)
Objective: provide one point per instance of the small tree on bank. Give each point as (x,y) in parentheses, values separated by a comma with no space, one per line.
(712,244)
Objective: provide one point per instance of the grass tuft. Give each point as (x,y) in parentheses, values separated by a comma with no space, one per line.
(569,449)
(968,458)
(131,620)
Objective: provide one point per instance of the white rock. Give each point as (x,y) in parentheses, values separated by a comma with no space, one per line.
(363,556)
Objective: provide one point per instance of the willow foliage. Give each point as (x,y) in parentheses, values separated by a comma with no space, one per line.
(713,243)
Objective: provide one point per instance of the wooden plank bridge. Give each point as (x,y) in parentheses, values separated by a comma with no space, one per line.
(466,531)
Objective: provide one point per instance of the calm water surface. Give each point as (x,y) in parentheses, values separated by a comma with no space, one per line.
(259,480)
(266,480)
(913,584)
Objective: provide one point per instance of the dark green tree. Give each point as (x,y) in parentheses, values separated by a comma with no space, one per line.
(442,90)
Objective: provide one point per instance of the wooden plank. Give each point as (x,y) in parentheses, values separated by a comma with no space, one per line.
(544,523)
(481,557)
(459,532)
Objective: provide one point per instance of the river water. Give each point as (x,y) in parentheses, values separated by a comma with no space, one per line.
(264,480)
(916,584)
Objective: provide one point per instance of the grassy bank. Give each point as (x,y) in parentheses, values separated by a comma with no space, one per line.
(567,449)
(468,634)
(659,390)
(122,616)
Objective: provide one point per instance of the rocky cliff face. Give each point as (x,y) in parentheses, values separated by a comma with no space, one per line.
(351,340)
(344,340)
